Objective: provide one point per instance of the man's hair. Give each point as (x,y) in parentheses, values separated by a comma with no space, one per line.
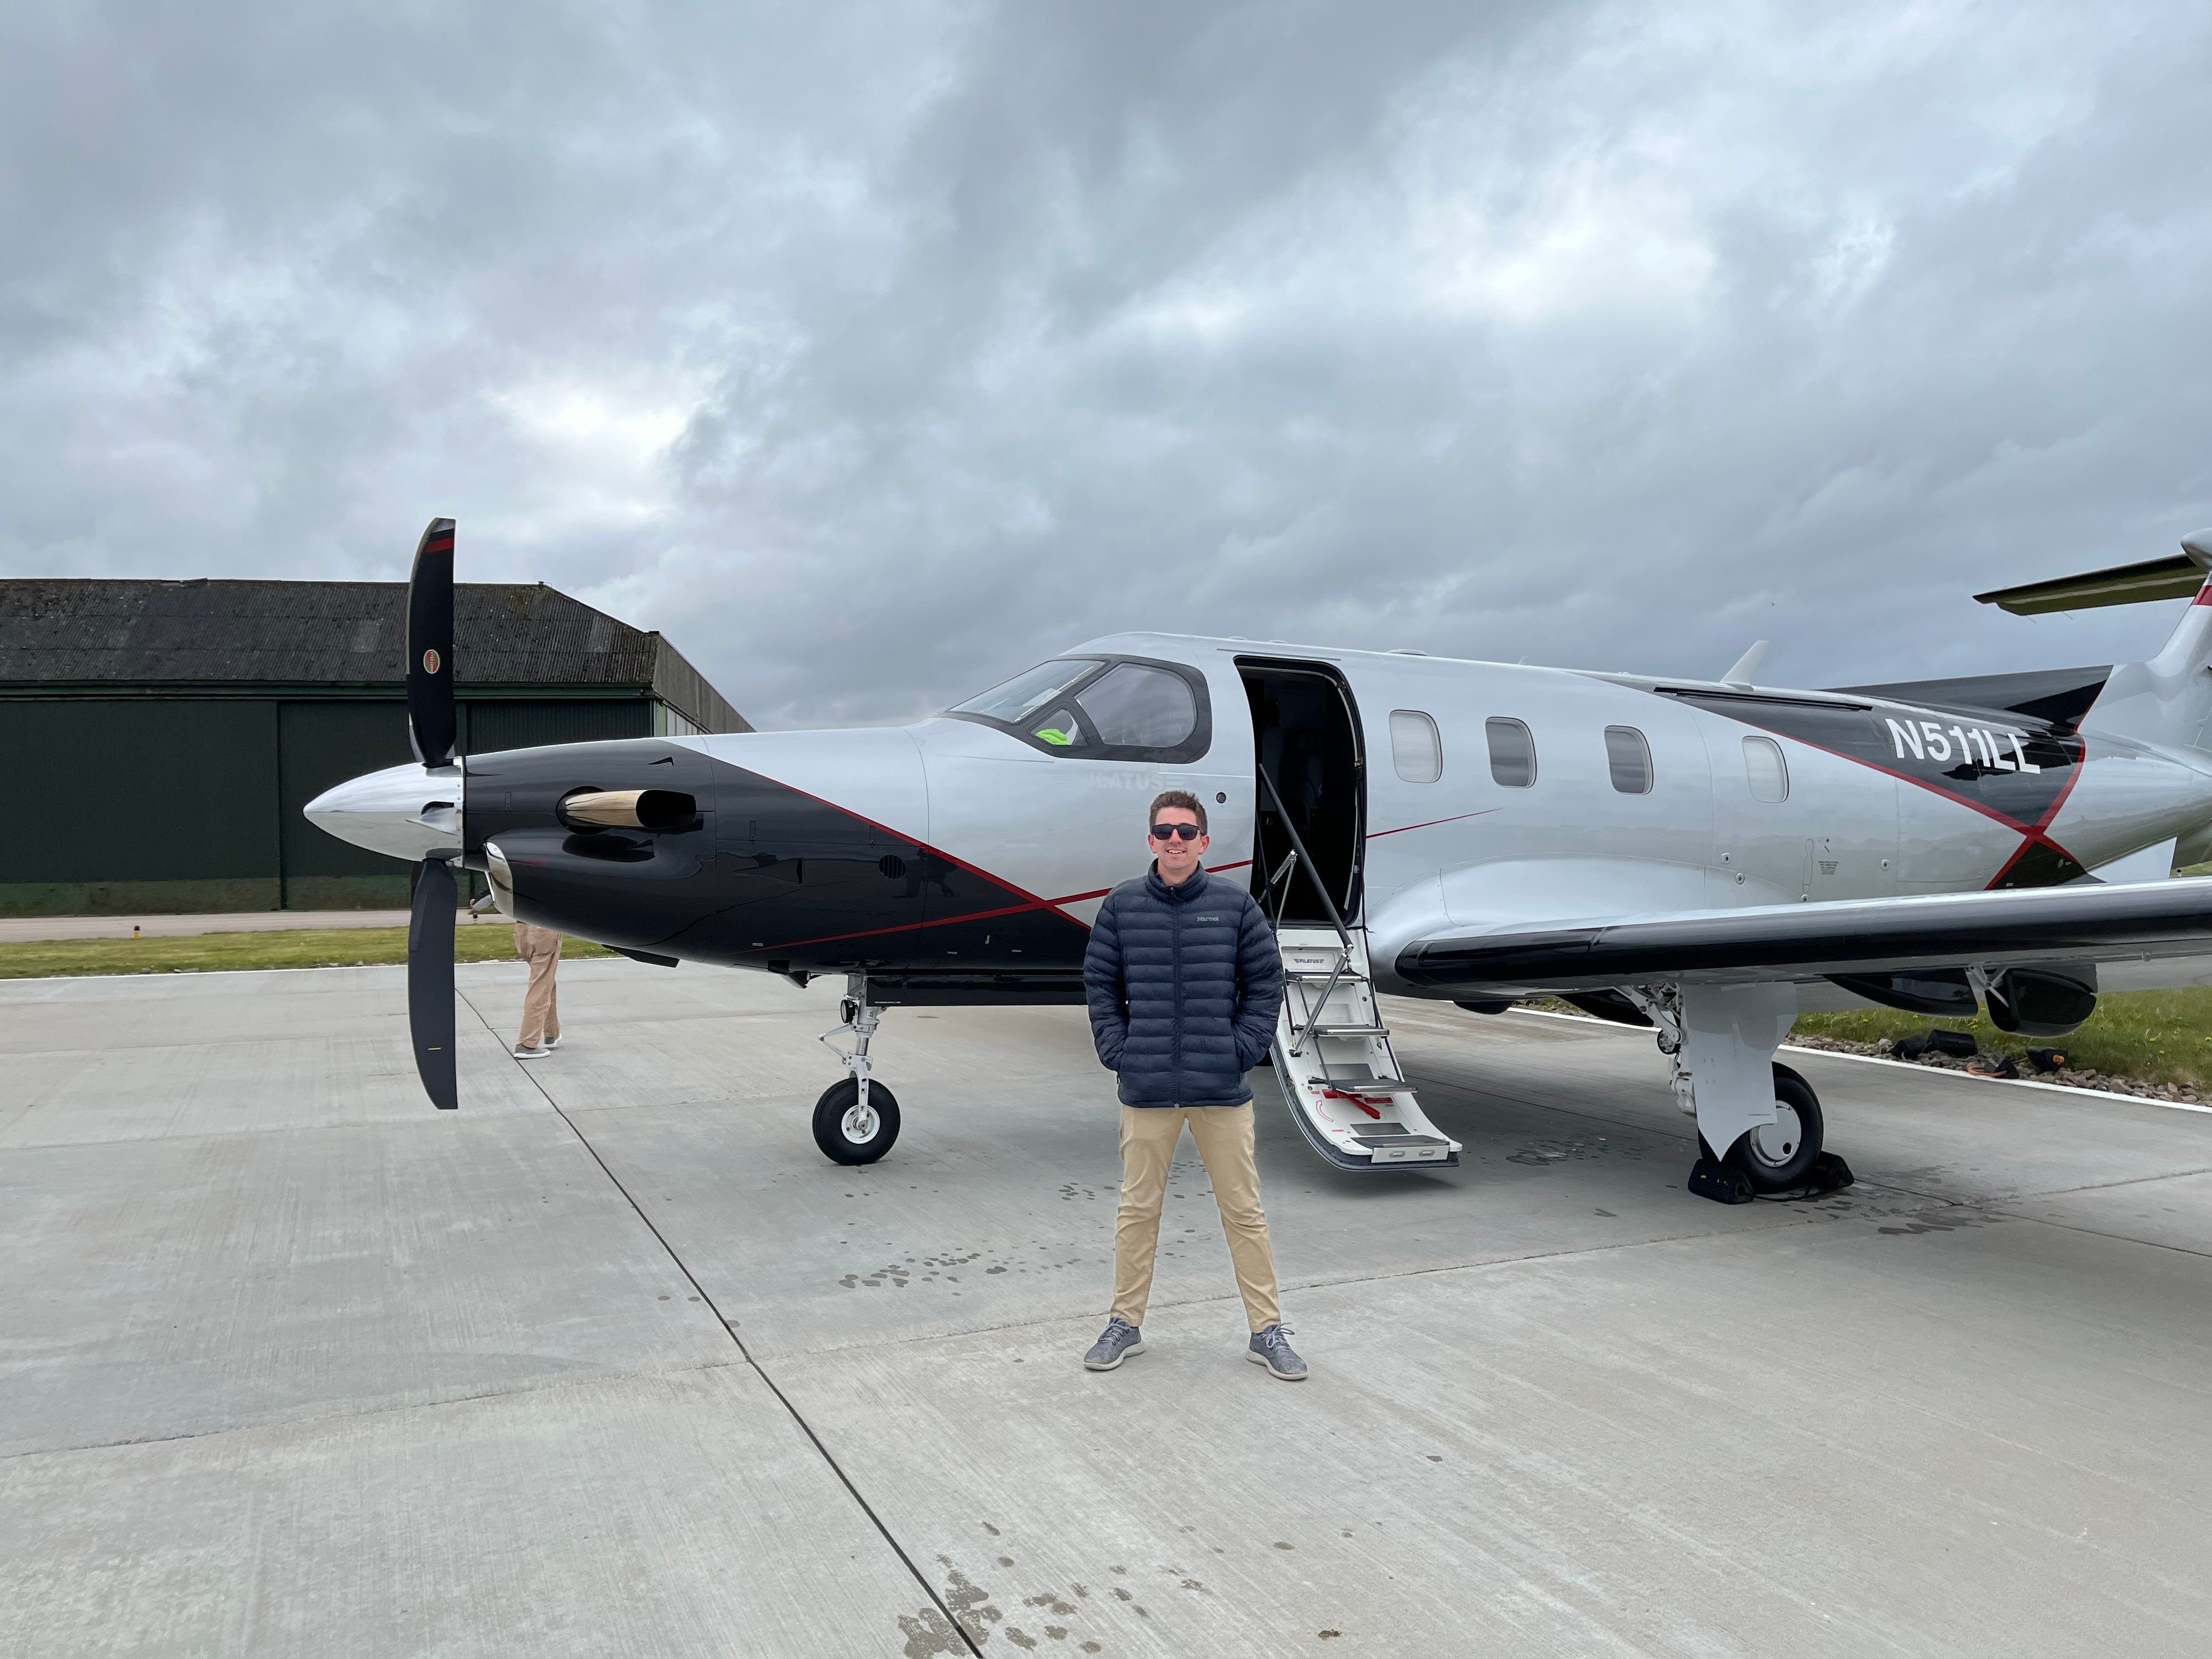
(1181,798)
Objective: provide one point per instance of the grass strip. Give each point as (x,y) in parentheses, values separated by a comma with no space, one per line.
(201,953)
(2156,1036)
(2150,1038)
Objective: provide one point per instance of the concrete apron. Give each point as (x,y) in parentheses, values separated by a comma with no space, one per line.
(288,1362)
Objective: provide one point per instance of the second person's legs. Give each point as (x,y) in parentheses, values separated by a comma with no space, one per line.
(538,1003)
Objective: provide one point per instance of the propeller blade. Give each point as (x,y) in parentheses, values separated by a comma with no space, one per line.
(430,981)
(431,723)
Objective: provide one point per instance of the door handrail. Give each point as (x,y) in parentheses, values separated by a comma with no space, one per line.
(1305,859)
(1314,1008)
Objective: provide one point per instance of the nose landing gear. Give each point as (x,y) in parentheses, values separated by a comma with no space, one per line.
(857,1120)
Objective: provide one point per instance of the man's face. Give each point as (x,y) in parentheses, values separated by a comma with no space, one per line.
(1177,856)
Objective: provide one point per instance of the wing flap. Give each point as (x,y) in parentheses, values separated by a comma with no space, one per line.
(2089,923)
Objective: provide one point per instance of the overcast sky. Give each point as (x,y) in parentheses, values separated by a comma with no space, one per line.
(874,352)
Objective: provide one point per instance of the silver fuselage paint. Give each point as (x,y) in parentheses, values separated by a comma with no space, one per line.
(1872,814)
(1461,852)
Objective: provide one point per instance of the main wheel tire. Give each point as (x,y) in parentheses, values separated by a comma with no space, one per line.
(844,1135)
(1777,1155)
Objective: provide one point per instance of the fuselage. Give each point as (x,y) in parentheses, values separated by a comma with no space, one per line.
(961,857)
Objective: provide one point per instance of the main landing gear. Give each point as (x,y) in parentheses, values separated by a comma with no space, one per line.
(856,1121)
(1719,1042)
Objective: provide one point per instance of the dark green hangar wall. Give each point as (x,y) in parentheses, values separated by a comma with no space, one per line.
(175,729)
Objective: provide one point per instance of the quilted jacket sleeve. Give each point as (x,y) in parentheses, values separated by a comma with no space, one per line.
(1259,983)
(1103,988)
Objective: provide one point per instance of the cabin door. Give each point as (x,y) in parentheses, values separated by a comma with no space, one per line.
(1305,735)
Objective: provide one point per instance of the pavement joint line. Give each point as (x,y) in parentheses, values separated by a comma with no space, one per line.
(731,1330)
(1875,1183)
(1326,1282)
(569,1380)
(2098,1232)
(1589,1116)
(1911,1066)
(2104,1186)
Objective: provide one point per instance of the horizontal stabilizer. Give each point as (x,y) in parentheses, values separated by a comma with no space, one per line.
(2179,577)
(2057,697)
(2086,923)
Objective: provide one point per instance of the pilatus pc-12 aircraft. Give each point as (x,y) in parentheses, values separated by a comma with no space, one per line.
(1671,853)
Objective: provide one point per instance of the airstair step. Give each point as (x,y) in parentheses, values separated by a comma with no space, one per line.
(1344,1031)
(1368,1085)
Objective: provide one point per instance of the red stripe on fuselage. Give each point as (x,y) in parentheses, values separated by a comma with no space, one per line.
(1431,823)
(2035,836)
(2032,832)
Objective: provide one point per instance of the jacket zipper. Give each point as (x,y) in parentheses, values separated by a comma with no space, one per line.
(1175,915)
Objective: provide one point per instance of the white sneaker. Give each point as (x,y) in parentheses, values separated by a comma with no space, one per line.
(521,1053)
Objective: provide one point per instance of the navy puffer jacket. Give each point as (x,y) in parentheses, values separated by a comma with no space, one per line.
(1184,983)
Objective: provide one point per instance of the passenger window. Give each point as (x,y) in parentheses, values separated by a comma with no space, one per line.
(1768,772)
(1513,753)
(1630,758)
(1130,706)
(1415,749)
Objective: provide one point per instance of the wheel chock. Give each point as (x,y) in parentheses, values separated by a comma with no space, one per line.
(1829,1174)
(1720,1183)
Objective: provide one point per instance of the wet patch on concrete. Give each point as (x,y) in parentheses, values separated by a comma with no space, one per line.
(1949,1221)
(1542,1154)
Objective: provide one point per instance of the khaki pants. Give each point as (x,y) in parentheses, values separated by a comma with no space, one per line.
(1223,1138)
(541,1017)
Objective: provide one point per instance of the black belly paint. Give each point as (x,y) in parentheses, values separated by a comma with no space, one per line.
(766,877)
(1963,757)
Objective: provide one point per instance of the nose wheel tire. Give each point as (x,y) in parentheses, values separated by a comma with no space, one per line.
(848,1134)
(1776,1156)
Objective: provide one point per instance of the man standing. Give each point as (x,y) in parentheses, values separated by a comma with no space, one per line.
(1184,981)
(541,1017)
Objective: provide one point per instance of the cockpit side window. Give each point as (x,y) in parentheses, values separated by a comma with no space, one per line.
(1133,705)
(1102,708)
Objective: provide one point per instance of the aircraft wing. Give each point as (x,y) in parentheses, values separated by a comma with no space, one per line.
(2015,927)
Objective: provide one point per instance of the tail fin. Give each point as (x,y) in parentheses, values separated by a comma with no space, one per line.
(2168,699)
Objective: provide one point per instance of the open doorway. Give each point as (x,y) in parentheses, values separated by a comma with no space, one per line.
(1307,741)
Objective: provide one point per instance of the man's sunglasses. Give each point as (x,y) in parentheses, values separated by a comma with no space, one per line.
(1176,832)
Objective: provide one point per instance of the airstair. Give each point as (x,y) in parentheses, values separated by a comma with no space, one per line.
(1334,1059)
(1332,1051)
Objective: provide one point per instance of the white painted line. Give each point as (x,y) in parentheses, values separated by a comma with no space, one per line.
(2020,1082)
(1924,1070)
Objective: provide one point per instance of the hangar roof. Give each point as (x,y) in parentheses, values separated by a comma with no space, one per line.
(82,633)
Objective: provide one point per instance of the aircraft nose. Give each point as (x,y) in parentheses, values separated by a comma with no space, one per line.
(411,811)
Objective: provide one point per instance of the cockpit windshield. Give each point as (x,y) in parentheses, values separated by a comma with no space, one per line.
(1025,694)
(1101,708)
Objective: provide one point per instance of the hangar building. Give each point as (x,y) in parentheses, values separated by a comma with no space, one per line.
(162,737)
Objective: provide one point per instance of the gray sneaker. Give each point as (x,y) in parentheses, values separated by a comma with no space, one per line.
(1116,1344)
(1271,1348)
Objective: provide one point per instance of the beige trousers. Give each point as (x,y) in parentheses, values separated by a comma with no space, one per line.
(1223,1138)
(541,1016)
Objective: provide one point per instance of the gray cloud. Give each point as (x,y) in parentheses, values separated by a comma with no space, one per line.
(872,354)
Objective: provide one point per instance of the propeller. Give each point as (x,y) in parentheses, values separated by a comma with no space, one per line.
(430,981)
(431,723)
(432,727)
